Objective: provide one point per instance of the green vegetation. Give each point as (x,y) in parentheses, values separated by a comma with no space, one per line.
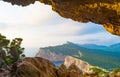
(116,70)
(10,51)
(107,59)
(100,72)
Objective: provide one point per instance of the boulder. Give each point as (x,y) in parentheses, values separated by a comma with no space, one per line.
(33,67)
(72,71)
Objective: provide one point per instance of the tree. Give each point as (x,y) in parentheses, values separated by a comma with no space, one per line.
(3,45)
(10,51)
(15,51)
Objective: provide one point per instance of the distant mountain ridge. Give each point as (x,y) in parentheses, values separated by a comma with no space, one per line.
(94,46)
(107,57)
(114,47)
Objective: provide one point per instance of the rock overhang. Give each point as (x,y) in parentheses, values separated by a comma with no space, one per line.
(104,12)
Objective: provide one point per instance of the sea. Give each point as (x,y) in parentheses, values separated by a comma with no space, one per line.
(58,63)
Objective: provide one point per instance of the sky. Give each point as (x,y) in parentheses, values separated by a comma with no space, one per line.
(39,26)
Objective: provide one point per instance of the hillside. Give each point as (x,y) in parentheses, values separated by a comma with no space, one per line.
(102,56)
(111,48)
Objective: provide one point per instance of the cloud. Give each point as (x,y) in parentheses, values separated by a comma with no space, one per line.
(64,29)
(101,38)
(90,28)
(39,26)
(33,14)
(3,26)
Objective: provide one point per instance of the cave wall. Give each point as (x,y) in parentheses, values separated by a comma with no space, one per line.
(104,12)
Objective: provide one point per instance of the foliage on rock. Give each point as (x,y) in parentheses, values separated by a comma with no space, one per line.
(100,72)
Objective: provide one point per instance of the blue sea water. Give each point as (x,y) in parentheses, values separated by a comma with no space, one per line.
(58,63)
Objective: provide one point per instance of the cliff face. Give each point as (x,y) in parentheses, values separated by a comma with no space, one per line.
(104,12)
(33,67)
(82,65)
(49,55)
(39,67)
(68,60)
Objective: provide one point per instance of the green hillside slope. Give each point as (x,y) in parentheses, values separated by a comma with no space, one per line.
(97,57)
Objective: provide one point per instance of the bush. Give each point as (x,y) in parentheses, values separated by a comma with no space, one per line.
(100,72)
(10,51)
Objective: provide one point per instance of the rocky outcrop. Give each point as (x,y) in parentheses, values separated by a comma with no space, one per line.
(62,71)
(33,67)
(39,67)
(82,65)
(105,12)
(49,55)
(72,71)
(21,2)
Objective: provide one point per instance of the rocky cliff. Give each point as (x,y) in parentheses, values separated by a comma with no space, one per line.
(82,65)
(49,55)
(33,67)
(39,67)
(105,12)
(68,60)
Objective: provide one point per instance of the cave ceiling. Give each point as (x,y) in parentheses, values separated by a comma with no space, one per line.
(104,12)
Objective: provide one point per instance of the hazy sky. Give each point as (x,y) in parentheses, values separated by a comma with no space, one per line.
(39,26)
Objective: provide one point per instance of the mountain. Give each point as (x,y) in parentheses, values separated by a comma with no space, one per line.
(51,56)
(111,48)
(101,56)
(94,46)
(115,47)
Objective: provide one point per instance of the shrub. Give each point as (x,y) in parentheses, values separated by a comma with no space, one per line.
(10,51)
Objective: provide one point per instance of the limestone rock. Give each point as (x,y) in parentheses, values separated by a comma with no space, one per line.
(34,67)
(104,12)
(49,55)
(62,71)
(72,71)
(82,65)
